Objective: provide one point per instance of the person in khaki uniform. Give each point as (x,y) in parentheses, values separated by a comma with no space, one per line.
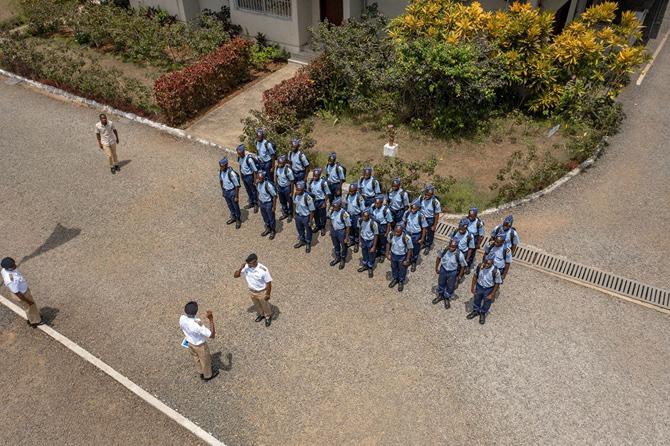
(260,287)
(196,335)
(108,138)
(18,286)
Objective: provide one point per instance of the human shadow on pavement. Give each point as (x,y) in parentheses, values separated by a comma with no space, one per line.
(218,365)
(59,236)
(49,314)
(275,311)
(123,163)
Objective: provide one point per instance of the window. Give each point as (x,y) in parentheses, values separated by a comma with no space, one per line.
(278,8)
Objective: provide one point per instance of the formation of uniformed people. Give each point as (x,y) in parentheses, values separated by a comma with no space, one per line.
(381,225)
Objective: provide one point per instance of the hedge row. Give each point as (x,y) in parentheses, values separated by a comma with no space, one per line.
(182,94)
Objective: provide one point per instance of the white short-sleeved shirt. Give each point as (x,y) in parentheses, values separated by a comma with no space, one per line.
(14,280)
(258,277)
(195,333)
(106,132)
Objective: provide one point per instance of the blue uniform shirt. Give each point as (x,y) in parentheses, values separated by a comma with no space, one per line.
(465,241)
(284,176)
(298,161)
(399,245)
(414,222)
(318,189)
(229,178)
(382,214)
(487,278)
(247,164)
(304,204)
(369,187)
(398,199)
(511,236)
(265,150)
(502,255)
(334,173)
(340,219)
(368,229)
(476,227)
(355,204)
(451,260)
(430,207)
(266,191)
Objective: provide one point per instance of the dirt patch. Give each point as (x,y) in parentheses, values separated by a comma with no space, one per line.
(7,9)
(474,163)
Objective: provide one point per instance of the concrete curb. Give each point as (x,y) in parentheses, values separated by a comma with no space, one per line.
(182,134)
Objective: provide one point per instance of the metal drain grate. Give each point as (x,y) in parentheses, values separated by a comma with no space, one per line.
(579,273)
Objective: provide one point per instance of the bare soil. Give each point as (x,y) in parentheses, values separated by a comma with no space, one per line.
(7,9)
(474,162)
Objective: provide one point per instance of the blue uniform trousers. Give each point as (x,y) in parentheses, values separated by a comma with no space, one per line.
(335,191)
(266,166)
(430,234)
(299,176)
(268,215)
(249,186)
(304,229)
(465,256)
(416,247)
(446,284)
(398,270)
(233,206)
(381,242)
(368,255)
(501,271)
(397,215)
(482,305)
(369,201)
(474,254)
(339,243)
(354,235)
(320,214)
(284,193)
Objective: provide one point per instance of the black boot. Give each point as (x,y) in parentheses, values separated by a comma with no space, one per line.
(471,315)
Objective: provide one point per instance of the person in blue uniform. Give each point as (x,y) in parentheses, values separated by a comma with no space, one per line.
(368,186)
(465,240)
(431,209)
(230,186)
(415,225)
(485,284)
(500,253)
(398,251)
(266,154)
(381,214)
(335,175)
(476,228)
(284,179)
(248,170)
(355,207)
(318,189)
(398,200)
(369,236)
(340,225)
(298,160)
(510,233)
(267,196)
(303,214)
(450,267)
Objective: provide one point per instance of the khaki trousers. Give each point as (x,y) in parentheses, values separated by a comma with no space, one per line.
(202,358)
(32,312)
(110,151)
(263,307)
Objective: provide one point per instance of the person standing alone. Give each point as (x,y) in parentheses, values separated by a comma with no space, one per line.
(108,138)
(259,281)
(18,286)
(196,335)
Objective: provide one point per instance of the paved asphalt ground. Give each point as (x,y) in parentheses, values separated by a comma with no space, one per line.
(347,361)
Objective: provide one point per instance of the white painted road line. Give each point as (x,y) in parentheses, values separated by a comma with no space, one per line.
(653,58)
(125,382)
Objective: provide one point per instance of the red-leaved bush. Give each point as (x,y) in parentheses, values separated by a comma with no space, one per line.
(297,95)
(182,94)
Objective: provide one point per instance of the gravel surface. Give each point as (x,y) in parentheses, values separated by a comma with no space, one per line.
(51,396)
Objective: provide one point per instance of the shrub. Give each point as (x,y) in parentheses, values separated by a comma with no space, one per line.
(182,94)
(77,75)
(295,96)
(223,17)
(263,54)
(279,129)
(45,16)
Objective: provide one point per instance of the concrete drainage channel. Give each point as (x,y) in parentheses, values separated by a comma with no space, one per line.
(581,274)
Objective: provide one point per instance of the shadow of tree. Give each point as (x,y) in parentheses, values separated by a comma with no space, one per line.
(59,236)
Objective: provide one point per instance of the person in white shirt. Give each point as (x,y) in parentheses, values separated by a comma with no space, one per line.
(196,335)
(108,138)
(18,286)
(260,287)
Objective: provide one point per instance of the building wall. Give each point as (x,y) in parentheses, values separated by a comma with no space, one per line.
(173,7)
(390,8)
(214,5)
(285,31)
